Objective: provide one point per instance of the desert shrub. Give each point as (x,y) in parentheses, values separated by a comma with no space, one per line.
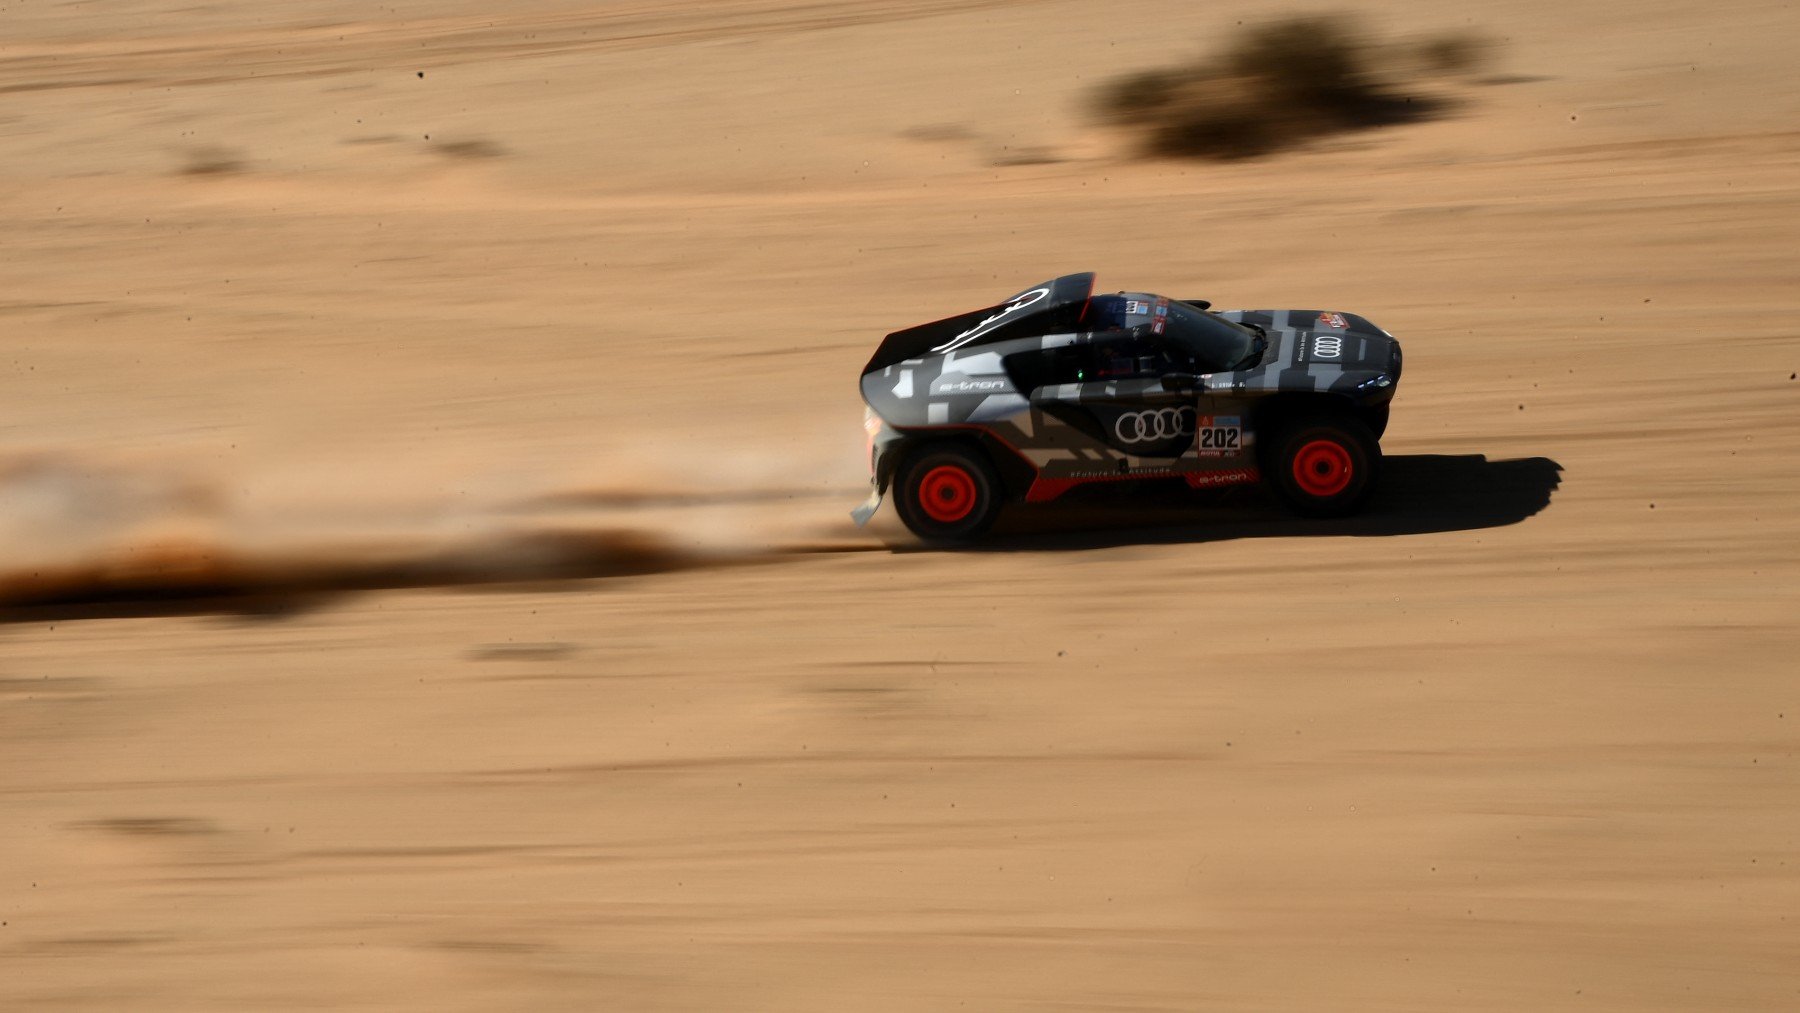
(1312,62)
(477,148)
(211,160)
(1136,98)
(1272,86)
(1216,117)
(1453,52)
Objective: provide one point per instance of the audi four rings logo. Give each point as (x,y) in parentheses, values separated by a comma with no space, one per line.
(1328,346)
(1154,425)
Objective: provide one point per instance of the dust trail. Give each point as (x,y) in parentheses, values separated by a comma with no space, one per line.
(652,497)
(189,569)
(82,536)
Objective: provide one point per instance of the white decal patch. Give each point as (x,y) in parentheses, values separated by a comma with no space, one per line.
(1023,301)
(1001,405)
(1327,346)
(1153,425)
(1218,435)
(966,385)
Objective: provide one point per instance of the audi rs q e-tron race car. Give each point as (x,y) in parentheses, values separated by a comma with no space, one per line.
(1057,387)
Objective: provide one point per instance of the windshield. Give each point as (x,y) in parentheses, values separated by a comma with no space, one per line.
(1213,341)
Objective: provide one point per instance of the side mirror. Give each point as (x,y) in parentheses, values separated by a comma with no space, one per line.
(1181,382)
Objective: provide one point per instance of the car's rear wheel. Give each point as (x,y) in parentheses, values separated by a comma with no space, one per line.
(947,493)
(1323,467)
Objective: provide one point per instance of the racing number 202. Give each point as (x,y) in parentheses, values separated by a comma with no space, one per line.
(1220,437)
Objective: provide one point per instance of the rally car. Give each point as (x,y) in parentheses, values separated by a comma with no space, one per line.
(1057,387)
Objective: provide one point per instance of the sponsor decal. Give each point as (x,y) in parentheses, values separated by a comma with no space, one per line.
(1334,320)
(1125,469)
(1327,346)
(1218,435)
(1021,302)
(1134,308)
(1154,425)
(1205,479)
(967,386)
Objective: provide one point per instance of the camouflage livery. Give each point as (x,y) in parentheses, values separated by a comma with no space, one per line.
(1083,388)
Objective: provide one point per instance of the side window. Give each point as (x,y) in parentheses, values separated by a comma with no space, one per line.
(1049,366)
(1134,357)
(1119,356)
(1061,320)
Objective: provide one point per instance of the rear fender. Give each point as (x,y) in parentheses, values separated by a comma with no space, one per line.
(891,448)
(1016,473)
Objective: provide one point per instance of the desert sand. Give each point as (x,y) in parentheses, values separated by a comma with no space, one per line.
(485,377)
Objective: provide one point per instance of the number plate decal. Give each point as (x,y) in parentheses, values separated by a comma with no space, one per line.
(1219,435)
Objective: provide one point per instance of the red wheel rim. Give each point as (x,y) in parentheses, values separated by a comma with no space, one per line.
(1323,468)
(947,493)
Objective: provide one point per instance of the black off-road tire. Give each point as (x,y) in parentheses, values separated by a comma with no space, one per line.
(947,493)
(1325,466)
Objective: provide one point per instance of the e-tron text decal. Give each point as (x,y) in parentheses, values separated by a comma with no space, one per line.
(966,386)
(1022,301)
(1203,479)
(1218,436)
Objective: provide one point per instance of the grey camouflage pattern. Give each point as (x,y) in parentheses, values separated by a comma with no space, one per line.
(1124,427)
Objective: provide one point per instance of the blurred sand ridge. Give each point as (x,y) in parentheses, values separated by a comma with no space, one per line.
(426,583)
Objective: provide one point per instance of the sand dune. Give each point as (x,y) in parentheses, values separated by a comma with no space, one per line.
(425,580)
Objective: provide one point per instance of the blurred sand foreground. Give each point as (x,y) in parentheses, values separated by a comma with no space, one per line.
(596,287)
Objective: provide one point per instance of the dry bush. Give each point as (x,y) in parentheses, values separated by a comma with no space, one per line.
(211,160)
(1274,86)
(1462,52)
(1139,97)
(475,149)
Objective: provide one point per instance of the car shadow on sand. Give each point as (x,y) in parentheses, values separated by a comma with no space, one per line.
(1418,494)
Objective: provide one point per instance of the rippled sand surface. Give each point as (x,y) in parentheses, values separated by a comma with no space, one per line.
(429,431)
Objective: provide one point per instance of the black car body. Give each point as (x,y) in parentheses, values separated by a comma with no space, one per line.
(1057,387)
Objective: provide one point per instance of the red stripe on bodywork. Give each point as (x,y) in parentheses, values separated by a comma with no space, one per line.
(1044,489)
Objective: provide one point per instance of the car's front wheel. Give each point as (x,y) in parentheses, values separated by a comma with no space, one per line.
(1323,467)
(947,493)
